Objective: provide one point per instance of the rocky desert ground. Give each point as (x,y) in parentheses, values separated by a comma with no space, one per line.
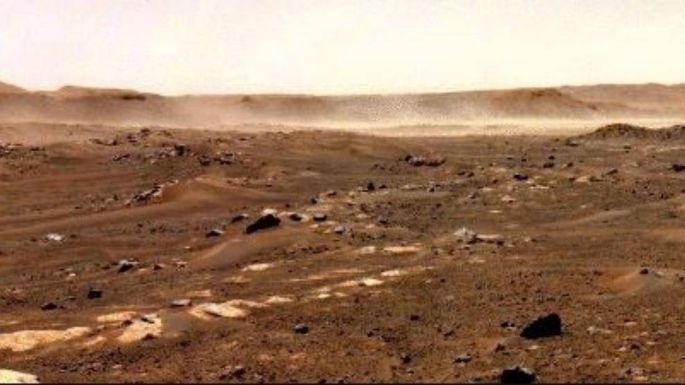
(173,254)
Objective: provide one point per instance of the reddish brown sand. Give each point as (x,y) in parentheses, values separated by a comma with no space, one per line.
(393,297)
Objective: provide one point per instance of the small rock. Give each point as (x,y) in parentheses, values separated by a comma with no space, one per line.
(678,167)
(370,186)
(644,271)
(126,265)
(405,357)
(463,358)
(214,233)
(181,302)
(239,217)
(520,177)
(295,217)
(340,229)
(546,326)
(48,306)
(301,329)
(54,237)
(94,293)
(233,372)
(466,235)
(517,375)
(320,217)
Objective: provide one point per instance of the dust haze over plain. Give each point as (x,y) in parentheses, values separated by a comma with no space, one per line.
(425,49)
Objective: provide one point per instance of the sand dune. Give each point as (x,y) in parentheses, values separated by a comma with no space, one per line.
(73,104)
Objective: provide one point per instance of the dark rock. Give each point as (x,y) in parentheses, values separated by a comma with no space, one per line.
(546,326)
(520,177)
(517,375)
(383,220)
(370,186)
(180,149)
(340,229)
(612,171)
(94,293)
(264,222)
(644,271)
(678,167)
(320,217)
(48,306)
(295,217)
(301,329)
(548,165)
(414,317)
(405,357)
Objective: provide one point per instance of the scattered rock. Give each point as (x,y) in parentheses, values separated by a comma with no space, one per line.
(233,372)
(48,306)
(214,233)
(418,161)
(545,326)
(54,237)
(181,302)
(677,167)
(490,238)
(264,222)
(94,293)
(520,177)
(320,217)
(463,358)
(466,235)
(239,217)
(126,265)
(517,375)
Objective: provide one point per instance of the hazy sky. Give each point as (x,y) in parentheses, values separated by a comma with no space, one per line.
(326,46)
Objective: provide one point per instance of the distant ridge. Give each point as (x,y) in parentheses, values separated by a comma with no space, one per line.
(112,106)
(6,88)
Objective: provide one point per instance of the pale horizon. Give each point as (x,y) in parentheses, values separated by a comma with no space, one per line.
(176,47)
